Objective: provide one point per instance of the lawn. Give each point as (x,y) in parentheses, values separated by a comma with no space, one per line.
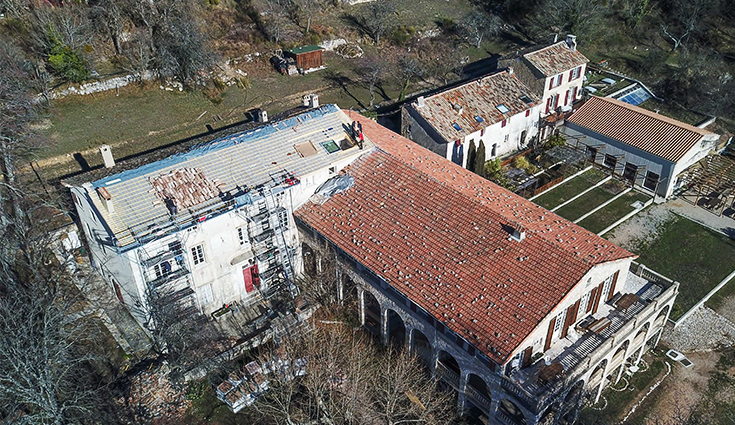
(697,257)
(590,200)
(569,189)
(613,212)
(618,402)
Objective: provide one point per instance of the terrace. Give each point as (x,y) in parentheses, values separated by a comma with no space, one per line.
(594,337)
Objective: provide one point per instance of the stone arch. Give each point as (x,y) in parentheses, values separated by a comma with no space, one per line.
(371,308)
(396,328)
(549,415)
(575,392)
(597,374)
(421,347)
(512,412)
(447,368)
(309,259)
(652,340)
(661,317)
(478,392)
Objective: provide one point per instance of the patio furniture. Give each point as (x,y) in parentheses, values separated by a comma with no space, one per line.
(600,325)
(550,372)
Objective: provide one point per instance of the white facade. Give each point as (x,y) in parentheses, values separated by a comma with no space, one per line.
(562,90)
(504,138)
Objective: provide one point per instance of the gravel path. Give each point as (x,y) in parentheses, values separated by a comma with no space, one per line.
(641,228)
(704,330)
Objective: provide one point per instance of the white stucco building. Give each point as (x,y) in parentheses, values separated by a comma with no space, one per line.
(210,223)
(497,110)
(554,72)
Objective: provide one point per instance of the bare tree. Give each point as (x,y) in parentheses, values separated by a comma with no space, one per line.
(441,59)
(308,9)
(683,18)
(477,25)
(372,70)
(377,18)
(110,19)
(276,21)
(349,379)
(18,110)
(67,25)
(576,16)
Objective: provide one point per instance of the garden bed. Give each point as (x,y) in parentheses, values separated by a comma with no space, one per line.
(569,189)
(590,200)
(613,212)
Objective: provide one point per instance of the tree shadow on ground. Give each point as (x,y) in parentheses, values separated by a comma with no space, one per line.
(336,79)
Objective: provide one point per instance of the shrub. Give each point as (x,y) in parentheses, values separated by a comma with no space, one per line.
(447,25)
(402,34)
(555,140)
(524,164)
(196,390)
(68,63)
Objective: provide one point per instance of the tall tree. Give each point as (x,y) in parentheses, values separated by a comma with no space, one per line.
(682,18)
(109,19)
(372,69)
(307,9)
(480,160)
(471,155)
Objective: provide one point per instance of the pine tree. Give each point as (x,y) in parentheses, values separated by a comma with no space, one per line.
(471,154)
(480,160)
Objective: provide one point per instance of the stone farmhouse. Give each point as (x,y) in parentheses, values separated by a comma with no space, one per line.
(498,110)
(519,311)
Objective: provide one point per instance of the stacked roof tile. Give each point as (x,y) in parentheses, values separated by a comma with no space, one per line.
(662,136)
(439,234)
(460,106)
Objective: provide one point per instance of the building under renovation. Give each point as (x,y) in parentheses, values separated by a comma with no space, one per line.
(523,313)
(210,223)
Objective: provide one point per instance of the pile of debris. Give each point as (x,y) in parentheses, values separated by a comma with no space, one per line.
(153,395)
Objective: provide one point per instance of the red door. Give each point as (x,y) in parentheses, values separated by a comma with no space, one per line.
(250,276)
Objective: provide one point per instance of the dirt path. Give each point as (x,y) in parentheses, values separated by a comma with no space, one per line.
(682,390)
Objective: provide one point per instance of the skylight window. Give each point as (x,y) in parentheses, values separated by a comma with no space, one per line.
(527,100)
(330,146)
(456,126)
(502,108)
(478,118)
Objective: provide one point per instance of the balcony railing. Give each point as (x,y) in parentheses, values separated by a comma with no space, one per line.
(169,277)
(447,375)
(480,399)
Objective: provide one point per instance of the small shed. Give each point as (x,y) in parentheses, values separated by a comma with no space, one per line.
(307,57)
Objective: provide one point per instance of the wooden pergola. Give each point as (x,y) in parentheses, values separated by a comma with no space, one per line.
(713,178)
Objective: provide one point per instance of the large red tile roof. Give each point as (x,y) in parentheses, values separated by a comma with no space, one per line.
(662,136)
(438,234)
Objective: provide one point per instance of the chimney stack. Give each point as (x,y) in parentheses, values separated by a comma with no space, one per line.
(314,100)
(420,102)
(572,41)
(305,100)
(107,157)
(106,199)
(262,115)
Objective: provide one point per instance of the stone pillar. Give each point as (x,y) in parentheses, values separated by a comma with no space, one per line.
(464,377)
(602,384)
(384,325)
(434,358)
(361,297)
(409,338)
(494,406)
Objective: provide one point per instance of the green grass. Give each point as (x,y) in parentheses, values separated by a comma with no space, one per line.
(618,402)
(589,200)
(209,409)
(718,402)
(697,257)
(612,212)
(673,111)
(569,189)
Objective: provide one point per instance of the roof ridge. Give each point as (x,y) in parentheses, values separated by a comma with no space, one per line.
(654,115)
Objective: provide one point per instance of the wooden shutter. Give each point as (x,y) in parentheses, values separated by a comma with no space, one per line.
(548,104)
(571,318)
(527,354)
(574,95)
(566,97)
(598,294)
(551,83)
(612,287)
(591,301)
(549,334)
(571,75)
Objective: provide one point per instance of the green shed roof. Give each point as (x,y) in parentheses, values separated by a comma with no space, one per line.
(304,49)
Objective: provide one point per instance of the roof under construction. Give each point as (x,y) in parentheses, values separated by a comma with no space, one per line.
(200,179)
(443,237)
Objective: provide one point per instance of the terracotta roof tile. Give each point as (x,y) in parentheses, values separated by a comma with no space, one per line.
(437,233)
(479,98)
(555,59)
(662,136)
